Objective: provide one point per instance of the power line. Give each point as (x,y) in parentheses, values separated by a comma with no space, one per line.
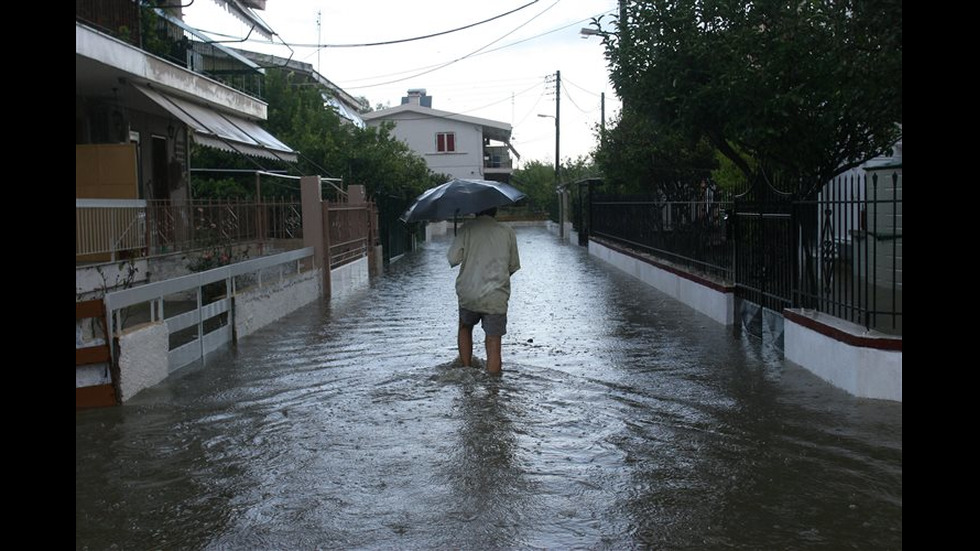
(403,40)
(437,65)
(576,23)
(475,54)
(531,110)
(569,97)
(510,97)
(471,54)
(565,80)
(425,69)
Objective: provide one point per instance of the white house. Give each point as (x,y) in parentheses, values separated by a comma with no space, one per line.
(456,145)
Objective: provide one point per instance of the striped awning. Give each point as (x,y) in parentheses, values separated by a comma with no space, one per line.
(221,130)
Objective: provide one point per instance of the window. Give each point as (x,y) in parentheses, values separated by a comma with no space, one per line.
(446,142)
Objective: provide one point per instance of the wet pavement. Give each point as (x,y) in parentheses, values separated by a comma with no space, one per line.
(623,420)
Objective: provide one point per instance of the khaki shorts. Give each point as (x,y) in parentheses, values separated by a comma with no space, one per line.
(494,325)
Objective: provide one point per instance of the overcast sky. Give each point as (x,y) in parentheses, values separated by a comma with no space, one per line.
(501,70)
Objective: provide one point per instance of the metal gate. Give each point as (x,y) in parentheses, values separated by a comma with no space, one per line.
(397,238)
(765,233)
(764,245)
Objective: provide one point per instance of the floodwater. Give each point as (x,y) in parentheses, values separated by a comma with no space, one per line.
(623,420)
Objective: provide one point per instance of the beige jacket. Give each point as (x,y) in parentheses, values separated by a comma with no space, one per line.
(486,251)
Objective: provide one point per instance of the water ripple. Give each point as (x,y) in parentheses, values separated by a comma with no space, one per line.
(623,420)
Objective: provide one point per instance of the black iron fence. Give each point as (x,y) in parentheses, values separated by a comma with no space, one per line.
(397,238)
(854,270)
(690,234)
(763,241)
(839,253)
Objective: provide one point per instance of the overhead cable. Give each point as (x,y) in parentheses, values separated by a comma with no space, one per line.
(471,54)
(446,64)
(424,37)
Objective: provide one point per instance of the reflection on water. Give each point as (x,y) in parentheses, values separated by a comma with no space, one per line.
(623,420)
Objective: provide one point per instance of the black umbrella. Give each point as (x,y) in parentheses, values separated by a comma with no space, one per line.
(459,197)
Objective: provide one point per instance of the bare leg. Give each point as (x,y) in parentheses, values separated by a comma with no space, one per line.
(493,354)
(464,339)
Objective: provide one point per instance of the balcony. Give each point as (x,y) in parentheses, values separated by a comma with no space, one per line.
(162,33)
(117,18)
(496,160)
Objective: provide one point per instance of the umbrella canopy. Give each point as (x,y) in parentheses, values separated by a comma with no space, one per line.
(459,197)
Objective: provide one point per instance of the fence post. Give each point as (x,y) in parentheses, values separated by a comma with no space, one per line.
(314,227)
(374,240)
(325,235)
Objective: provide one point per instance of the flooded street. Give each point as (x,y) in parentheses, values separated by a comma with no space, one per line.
(623,420)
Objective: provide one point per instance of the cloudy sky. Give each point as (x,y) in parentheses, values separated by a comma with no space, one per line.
(501,70)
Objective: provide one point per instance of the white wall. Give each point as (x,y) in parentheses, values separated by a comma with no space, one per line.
(718,305)
(419,133)
(349,278)
(257,307)
(863,371)
(143,66)
(143,358)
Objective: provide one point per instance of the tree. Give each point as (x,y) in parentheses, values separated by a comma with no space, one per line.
(792,93)
(537,181)
(637,156)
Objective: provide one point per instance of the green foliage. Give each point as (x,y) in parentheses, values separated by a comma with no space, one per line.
(808,89)
(576,170)
(225,189)
(367,156)
(728,176)
(155,36)
(537,181)
(638,156)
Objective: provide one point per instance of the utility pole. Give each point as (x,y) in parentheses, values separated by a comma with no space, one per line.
(602,104)
(561,195)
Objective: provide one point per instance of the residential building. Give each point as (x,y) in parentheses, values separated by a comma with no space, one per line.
(142,102)
(457,145)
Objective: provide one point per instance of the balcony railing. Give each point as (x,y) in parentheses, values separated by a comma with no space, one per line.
(497,158)
(107,229)
(118,18)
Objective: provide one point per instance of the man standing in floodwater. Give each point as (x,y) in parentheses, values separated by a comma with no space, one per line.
(488,253)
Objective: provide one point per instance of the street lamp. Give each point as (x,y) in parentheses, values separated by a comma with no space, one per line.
(586,33)
(561,198)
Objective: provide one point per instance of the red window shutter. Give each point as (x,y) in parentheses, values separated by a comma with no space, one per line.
(450,142)
(440,142)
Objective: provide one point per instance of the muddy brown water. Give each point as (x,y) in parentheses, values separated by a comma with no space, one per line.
(623,420)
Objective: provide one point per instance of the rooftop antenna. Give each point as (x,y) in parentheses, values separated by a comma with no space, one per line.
(319,41)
